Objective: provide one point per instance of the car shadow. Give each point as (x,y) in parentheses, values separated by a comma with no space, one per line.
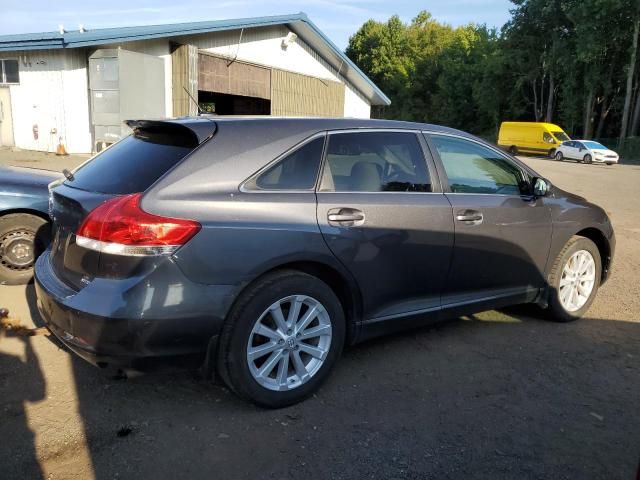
(495,393)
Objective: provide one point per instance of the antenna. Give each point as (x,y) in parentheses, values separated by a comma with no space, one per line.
(193,100)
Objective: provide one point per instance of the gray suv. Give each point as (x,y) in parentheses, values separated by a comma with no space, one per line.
(260,247)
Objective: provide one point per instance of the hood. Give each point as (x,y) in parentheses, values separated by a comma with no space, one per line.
(23,176)
(559,192)
(603,151)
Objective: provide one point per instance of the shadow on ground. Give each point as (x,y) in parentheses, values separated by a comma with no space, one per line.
(496,395)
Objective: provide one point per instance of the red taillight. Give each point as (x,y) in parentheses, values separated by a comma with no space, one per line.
(120,226)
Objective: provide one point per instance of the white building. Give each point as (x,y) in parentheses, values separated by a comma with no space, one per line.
(76,87)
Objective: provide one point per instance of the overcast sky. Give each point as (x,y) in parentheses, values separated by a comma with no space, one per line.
(337,18)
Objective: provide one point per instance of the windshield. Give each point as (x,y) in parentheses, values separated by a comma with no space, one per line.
(561,136)
(596,145)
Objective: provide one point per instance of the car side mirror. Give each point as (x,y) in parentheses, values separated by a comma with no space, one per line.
(540,187)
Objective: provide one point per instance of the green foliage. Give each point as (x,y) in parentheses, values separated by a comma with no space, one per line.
(565,61)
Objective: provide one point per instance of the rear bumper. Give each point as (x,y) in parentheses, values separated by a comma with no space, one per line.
(139,323)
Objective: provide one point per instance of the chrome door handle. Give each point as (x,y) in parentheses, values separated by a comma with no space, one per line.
(344,217)
(472,217)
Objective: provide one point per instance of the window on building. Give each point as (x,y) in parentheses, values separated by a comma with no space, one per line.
(9,71)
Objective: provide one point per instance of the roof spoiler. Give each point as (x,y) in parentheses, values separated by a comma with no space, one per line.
(200,129)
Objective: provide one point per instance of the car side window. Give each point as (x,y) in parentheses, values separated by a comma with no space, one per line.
(297,171)
(546,136)
(567,144)
(375,162)
(474,168)
(579,145)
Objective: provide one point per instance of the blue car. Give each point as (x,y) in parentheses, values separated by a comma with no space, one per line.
(24,221)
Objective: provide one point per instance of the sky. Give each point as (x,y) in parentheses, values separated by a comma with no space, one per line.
(337,18)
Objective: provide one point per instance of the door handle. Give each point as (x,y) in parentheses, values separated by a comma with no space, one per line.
(344,217)
(470,217)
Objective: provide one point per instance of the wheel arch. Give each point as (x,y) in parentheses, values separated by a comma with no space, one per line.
(27,211)
(344,287)
(604,247)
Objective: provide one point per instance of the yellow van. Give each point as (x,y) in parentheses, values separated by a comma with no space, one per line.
(531,137)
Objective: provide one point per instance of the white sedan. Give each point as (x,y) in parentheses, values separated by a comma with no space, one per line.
(586,151)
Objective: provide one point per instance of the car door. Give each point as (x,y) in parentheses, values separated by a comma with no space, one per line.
(502,232)
(383,215)
(579,151)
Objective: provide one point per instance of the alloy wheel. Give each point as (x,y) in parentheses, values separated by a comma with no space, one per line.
(577,281)
(289,343)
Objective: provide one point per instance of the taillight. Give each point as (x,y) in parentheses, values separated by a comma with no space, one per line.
(120,227)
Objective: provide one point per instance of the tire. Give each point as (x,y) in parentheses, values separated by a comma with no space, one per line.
(22,238)
(609,163)
(251,309)
(587,159)
(559,156)
(552,152)
(513,150)
(558,309)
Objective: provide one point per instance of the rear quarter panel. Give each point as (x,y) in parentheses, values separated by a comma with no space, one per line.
(246,234)
(24,198)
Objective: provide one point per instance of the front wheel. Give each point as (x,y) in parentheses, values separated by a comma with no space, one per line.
(552,152)
(574,279)
(587,159)
(281,339)
(559,156)
(513,150)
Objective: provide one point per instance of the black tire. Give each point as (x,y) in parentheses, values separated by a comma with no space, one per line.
(559,156)
(513,150)
(587,159)
(609,163)
(21,231)
(232,362)
(557,312)
(552,152)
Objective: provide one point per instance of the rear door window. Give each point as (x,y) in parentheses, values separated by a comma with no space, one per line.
(375,162)
(135,163)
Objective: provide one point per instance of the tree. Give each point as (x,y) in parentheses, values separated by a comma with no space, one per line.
(630,71)
(572,62)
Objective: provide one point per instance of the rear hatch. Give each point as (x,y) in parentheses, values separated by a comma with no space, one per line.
(129,166)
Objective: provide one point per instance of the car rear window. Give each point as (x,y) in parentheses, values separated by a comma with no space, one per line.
(134,163)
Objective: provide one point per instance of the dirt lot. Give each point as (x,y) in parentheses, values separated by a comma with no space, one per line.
(498,395)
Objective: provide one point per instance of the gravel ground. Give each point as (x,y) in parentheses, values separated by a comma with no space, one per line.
(496,395)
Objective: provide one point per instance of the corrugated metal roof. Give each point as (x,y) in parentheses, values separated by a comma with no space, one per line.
(298,23)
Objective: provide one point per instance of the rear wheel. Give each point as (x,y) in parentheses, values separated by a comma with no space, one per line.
(22,238)
(574,280)
(281,339)
(587,158)
(559,156)
(513,150)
